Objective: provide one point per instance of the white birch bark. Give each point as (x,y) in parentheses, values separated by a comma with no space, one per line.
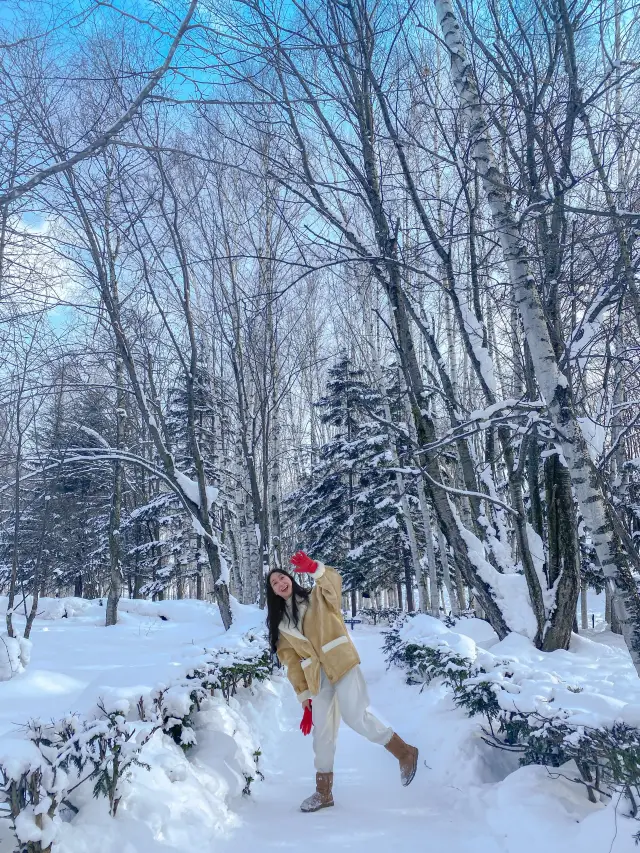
(452,590)
(552,383)
(274,490)
(451,345)
(584,607)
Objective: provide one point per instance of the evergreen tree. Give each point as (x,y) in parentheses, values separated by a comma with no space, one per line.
(347,510)
(170,553)
(382,551)
(64,505)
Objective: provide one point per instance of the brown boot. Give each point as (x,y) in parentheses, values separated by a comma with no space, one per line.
(407,757)
(323,797)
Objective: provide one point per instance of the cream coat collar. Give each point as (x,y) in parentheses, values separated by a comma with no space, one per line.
(288,626)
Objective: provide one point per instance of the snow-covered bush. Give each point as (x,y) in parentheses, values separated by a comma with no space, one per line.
(532,711)
(25,782)
(40,773)
(373,616)
(172,707)
(248,778)
(223,670)
(101,750)
(228,669)
(15,653)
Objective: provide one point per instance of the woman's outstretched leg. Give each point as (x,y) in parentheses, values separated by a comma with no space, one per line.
(353,702)
(353,705)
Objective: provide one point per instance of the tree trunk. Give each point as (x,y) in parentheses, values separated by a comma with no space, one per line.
(115,557)
(38,567)
(17,510)
(455,592)
(430,551)
(274,492)
(408,580)
(564,554)
(584,607)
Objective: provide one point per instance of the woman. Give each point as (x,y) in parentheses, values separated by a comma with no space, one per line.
(307,631)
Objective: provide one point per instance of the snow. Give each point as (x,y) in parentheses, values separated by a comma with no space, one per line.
(198,528)
(15,653)
(192,491)
(76,660)
(466,796)
(536,546)
(426,630)
(475,331)
(589,685)
(181,802)
(583,339)
(189,487)
(18,756)
(477,630)
(510,590)
(594,436)
(593,684)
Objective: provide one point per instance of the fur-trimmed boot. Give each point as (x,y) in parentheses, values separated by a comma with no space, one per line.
(407,758)
(323,796)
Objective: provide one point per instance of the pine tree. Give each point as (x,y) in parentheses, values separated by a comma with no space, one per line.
(74,497)
(176,555)
(347,509)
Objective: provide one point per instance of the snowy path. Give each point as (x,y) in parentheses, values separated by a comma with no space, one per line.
(455,806)
(372,809)
(470,798)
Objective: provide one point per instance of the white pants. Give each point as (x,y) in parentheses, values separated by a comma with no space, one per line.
(347,699)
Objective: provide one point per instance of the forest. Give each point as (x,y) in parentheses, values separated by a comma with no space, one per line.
(347,276)
(331,276)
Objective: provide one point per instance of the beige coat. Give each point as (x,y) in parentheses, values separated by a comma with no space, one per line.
(325,645)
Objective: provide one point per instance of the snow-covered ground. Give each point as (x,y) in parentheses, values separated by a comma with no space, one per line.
(76,660)
(469,799)
(180,804)
(466,796)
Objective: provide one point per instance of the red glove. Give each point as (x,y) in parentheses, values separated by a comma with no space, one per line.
(307,720)
(303,563)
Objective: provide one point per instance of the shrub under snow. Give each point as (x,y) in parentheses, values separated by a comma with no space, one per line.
(48,770)
(15,653)
(552,708)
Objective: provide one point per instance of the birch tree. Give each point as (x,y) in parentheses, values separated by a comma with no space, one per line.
(553,383)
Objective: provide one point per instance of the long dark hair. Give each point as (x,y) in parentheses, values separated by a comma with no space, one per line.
(276,605)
